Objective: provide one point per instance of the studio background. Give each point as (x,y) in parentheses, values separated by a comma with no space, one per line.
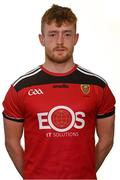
(98,50)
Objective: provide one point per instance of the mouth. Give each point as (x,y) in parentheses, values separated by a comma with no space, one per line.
(60,49)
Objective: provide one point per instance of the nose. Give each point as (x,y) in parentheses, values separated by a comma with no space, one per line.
(60,39)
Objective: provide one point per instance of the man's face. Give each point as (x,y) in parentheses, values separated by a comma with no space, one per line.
(59,42)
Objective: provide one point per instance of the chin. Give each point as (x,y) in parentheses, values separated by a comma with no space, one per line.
(59,59)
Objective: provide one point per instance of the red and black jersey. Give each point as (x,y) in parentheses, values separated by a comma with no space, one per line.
(59,113)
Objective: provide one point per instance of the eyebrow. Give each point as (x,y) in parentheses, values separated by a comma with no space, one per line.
(68,31)
(54,31)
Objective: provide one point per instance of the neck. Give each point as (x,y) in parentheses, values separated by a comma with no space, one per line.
(58,67)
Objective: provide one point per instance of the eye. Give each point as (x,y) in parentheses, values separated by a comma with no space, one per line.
(68,34)
(52,34)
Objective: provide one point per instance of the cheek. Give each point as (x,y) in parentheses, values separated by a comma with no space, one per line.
(69,41)
(69,44)
(49,47)
(49,43)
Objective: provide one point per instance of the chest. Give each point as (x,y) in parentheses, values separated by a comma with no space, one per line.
(60,107)
(77,97)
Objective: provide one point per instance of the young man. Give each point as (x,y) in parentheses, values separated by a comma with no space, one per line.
(59,105)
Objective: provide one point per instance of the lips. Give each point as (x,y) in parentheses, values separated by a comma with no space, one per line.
(60,49)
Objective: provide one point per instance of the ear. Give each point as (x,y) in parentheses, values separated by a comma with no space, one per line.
(76,38)
(42,39)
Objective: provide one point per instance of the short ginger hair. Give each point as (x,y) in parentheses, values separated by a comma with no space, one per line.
(59,15)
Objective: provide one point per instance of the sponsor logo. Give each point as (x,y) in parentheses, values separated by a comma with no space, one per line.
(62,135)
(37,91)
(61,86)
(85,88)
(61,119)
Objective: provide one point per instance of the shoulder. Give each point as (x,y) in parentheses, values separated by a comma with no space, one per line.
(27,79)
(90,77)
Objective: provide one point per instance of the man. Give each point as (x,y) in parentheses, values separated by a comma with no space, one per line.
(59,105)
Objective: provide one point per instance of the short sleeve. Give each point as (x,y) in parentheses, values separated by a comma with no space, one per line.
(11,105)
(107,104)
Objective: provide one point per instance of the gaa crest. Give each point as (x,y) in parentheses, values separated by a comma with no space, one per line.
(85,88)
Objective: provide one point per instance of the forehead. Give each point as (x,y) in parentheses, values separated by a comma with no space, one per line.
(54,27)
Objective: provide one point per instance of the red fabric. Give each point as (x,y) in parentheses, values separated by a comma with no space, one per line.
(59,126)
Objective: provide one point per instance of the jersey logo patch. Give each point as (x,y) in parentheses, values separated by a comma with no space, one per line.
(61,86)
(85,88)
(37,91)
